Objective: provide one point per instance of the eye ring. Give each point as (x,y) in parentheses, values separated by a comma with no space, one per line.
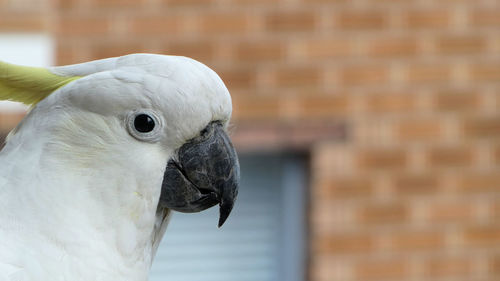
(144,125)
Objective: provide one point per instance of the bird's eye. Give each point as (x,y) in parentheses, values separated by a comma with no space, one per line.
(144,123)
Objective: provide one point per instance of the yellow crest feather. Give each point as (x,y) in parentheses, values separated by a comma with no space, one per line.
(29,85)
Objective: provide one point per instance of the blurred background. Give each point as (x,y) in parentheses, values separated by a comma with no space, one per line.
(369,130)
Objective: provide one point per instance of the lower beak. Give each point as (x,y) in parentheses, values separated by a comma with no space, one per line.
(205,173)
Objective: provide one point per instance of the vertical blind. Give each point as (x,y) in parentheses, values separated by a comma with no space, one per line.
(250,246)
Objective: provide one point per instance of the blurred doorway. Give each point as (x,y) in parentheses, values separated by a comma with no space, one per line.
(264,239)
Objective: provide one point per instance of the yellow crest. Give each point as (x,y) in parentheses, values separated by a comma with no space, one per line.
(29,85)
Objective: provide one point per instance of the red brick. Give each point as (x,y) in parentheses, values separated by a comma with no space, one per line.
(326,48)
(189,3)
(416,184)
(287,134)
(362,20)
(259,52)
(345,188)
(115,49)
(386,158)
(384,213)
(448,267)
(238,78)
(290,21)
(448,157)
(199,50)
(416,241)
(495,210)
(322,106)
(83,25)
(250,2)
(323,267)
(390,103)
(224,23)
(364,75)
(496,155)
(449,212)
(297,76)
(381,269)
(479,182)
(392,47)
(156,25)
(485,72)
(482,236)
(456,101)
(460,45)
(420,19)
(66,55)
(256,107)
(429,73)
(419,130)
(12,22)
(486,18)
(116,4)
(494,265)
(67,4)
(326,1)
(482,127)
(346,243)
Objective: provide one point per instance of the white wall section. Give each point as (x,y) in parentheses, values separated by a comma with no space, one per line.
(33,49)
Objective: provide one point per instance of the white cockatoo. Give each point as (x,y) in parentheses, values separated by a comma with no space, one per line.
(109,147)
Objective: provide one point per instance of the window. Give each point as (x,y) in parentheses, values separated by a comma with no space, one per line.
(33,49)
(263,239)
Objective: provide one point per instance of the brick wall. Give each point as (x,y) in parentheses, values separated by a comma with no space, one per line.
(397,102)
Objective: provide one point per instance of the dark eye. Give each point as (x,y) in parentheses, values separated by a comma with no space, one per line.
(143,123)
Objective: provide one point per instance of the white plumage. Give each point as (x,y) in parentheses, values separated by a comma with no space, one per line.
(78,193)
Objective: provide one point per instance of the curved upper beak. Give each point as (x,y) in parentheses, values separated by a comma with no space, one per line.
(205,172)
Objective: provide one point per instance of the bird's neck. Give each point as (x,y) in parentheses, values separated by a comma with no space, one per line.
(99,218)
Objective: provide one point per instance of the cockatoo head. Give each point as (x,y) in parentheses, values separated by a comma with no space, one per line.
(160,118)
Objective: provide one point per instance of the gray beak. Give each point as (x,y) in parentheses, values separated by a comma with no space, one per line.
(205,173)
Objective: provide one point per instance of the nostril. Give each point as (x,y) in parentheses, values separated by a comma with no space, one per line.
(206,191)
(204,132)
